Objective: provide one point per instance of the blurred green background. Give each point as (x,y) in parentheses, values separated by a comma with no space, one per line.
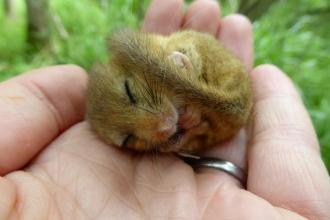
(291,34)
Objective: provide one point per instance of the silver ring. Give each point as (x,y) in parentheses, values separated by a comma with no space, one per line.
(215,163)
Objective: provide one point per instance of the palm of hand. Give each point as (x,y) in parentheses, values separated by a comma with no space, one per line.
(79,177)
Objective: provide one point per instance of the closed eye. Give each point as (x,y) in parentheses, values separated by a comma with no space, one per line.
(127,140)
(129,93)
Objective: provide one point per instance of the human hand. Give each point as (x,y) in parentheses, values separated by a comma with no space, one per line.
(76,176)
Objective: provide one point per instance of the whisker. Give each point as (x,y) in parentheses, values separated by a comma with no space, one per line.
(142,90)
(144,109)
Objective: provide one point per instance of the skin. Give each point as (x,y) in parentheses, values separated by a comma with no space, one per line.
(76,176)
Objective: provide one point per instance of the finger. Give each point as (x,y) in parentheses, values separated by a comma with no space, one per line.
(35,108)
(7,199)
(203,16)
(236,34)
(163,16)
(284,162)
(233,150)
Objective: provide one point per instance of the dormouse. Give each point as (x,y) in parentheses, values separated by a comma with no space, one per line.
(179,93)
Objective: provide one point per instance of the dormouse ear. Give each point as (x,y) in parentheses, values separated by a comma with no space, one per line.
(180,60)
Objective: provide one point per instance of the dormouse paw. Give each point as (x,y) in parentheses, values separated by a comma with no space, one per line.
(189,117)
(202,128)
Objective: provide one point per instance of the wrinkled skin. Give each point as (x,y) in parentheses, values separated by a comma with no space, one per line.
(75,176)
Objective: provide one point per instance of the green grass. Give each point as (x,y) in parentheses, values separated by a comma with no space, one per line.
(289,35)
(297,41)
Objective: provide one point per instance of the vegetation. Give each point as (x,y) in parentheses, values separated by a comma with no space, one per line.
(291,34)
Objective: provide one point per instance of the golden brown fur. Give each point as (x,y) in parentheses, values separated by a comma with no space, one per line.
(216,84)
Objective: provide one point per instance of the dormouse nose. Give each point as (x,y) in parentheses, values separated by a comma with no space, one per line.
(166,127)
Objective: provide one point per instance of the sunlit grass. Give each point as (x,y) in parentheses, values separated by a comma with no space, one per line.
(297,41)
